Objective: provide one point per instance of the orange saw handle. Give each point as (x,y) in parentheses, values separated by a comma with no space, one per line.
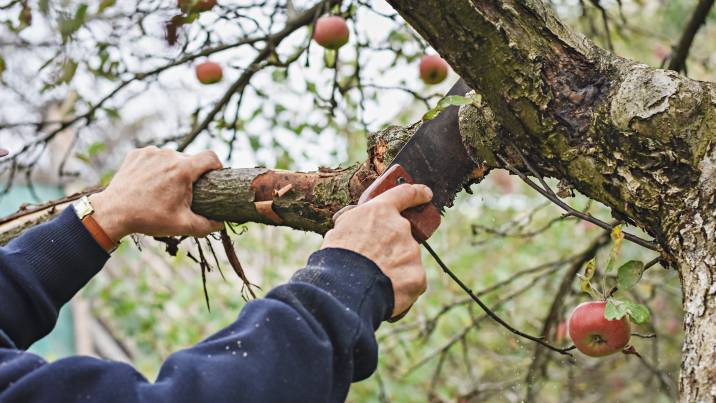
(424,219)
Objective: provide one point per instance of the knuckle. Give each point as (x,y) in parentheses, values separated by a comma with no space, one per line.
(184,175)
(167,153)
(149,150)
(415,249)
(174,167)
(404,224)
(377,207)
(377,204)
(212,155)
(409,190)
(422,281)
(136,153)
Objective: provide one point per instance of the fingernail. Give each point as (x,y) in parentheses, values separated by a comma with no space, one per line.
(427,190)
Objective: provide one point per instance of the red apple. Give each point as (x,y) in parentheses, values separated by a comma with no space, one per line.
(594,335)
(433,69)
(209,72)
(196,5)
(331,32)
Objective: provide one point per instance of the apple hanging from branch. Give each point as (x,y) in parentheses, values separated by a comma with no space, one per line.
(593,334)
(433,69)
(208,72)
(331,32)
(601,327)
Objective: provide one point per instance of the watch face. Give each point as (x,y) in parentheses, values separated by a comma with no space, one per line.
(83,208)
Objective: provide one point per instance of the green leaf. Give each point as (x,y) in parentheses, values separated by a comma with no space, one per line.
(83,157)
(105,4)
(637,312)
(254,142)
(96,148)
(44,6)
(450,100)
(112,113)
(69,26)
(629,274)
(615,309)
(310,87)
(69,67)
(279,75)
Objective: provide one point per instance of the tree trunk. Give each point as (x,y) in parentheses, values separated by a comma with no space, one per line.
(692,239)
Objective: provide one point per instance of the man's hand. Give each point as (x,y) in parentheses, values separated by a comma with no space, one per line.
(377,231)
(152,193)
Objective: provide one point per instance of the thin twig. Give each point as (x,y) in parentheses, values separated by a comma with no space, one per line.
(488,311)
(204,268)
(547,192)
(681,51)
(234,261)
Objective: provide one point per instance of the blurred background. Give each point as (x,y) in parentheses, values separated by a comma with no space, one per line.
(83,82)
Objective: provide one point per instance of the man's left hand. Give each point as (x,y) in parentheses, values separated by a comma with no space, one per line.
(152,193)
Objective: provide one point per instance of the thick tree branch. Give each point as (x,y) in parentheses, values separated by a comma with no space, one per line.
(622,133)
(301,200)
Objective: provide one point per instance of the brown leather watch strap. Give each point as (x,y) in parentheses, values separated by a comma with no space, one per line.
(98,234)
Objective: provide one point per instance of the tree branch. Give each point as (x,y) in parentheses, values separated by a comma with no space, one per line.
(681,51)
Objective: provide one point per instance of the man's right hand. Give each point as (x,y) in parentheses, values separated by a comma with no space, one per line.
(377,231)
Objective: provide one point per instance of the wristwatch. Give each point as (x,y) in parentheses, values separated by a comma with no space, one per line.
(84,211)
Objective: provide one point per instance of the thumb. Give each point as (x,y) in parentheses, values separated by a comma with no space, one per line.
(202,163)
(406,196)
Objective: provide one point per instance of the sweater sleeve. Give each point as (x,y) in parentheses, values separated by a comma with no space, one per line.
(40,271)
(307,340)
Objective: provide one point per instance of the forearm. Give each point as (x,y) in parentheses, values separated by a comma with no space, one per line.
(306,341)
(40,271)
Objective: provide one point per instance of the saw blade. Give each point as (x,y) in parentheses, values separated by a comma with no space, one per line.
(435,155)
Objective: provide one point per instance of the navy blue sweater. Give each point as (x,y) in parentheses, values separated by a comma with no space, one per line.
(306,341)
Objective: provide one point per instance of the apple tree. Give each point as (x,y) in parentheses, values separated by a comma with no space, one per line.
(547,103)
